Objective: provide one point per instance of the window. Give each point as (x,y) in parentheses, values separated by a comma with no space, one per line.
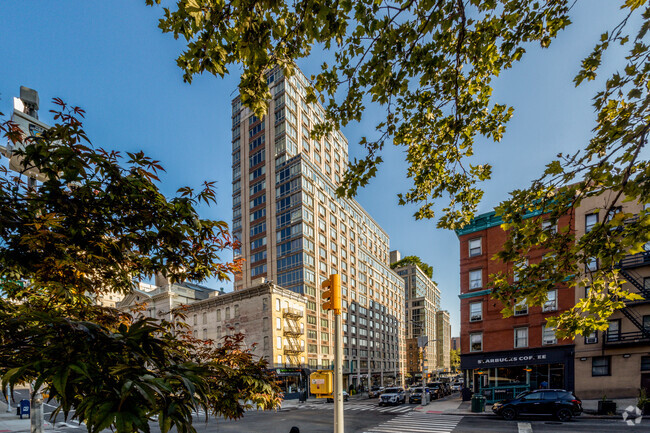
(266,343)
(548,335)
(591,338)
(236,310)
(590,221)
(533,396)
(592,264)
(646,322)
(521,308)
(278,323)
(277,305)
(521,337)
(614,330)
(476,342)
(278,342)
(475,279)
(218,315)
(600,366)
(551,301)
(645,363)
(549,227)
(227,313)
(519,268)
(475,311)
(474,247)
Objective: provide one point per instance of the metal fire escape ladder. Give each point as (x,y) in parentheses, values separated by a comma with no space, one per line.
(292,334)
(636,280)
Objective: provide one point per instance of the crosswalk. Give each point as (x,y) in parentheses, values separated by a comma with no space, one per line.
(361,407)
(418,423)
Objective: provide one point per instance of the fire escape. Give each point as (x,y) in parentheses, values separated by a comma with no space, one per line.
(293,334)
(626,269)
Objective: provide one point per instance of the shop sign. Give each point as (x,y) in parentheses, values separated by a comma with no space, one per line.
(511,359)
(287,371)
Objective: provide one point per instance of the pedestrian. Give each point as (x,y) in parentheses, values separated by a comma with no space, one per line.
(543,385)
(466,393)
(294,429)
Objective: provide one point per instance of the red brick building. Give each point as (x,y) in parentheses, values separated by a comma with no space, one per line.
(502,356)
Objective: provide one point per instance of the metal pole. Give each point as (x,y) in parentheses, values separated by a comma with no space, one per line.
(8,399)
(424,375)
(338,375)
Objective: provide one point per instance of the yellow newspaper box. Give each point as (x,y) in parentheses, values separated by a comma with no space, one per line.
(321,383)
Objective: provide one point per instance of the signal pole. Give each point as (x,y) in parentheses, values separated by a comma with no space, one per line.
(333,302)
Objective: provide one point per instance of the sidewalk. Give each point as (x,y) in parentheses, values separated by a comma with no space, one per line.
(10,422)
(453,405)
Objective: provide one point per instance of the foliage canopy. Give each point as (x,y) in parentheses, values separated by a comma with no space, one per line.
(414,260)
(96,224)
(430,65)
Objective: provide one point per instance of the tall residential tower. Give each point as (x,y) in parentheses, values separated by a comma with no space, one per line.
(295,232)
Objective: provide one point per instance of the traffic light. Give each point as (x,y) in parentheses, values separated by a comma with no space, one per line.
(332,297)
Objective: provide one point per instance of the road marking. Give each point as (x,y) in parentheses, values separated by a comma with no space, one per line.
(525,427)
(361,407)
(416,422)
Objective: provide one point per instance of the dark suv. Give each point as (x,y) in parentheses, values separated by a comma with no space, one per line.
(557,402)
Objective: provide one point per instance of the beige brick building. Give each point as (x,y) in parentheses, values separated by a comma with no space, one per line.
(272,320)
(615,363)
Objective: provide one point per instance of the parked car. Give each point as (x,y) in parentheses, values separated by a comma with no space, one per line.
(375,391)
(557,402)
(434,392)
(416,395)
(346,397)
(443,390)
(392,396)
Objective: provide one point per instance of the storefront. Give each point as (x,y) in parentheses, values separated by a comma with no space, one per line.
(499,375)
(292,381)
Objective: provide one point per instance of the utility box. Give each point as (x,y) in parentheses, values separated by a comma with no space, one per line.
(321,383)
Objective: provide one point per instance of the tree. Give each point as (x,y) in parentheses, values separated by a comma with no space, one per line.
(455,359)
(413,260)
(430,65)
(98,223)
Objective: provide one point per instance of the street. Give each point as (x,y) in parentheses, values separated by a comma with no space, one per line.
(365,416)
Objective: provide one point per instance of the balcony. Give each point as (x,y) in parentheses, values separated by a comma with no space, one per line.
(292,312)
(293,350)
(292,332)
(622,339)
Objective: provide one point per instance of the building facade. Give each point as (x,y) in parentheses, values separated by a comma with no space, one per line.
(295,232)
(455,343)
(615,363)
(422,302)
(443,341)
(501,356)
(271,319)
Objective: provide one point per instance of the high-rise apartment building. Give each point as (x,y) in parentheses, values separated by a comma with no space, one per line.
(295,232)
(443,349)
(422,302)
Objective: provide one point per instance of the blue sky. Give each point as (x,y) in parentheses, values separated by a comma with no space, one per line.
(111,59)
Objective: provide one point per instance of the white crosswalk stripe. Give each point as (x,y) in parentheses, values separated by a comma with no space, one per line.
(415,422)
(360,407)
